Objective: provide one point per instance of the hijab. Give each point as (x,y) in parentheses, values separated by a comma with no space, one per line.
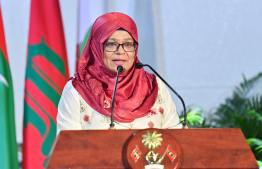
(136,90)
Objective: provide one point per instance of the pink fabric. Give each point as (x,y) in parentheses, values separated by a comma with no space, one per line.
(136,90)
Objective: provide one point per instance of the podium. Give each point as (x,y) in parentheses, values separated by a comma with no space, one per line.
(201,148)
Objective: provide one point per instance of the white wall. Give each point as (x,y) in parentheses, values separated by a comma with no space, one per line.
(209,45)
(202,47)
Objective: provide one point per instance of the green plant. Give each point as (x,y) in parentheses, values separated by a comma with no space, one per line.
(256,146)
(243,110)
(259,164)
(195,118)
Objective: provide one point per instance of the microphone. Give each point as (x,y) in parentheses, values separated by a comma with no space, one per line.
(112,125)
(140,65)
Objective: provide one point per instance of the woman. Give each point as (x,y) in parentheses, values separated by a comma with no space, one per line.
(141,100)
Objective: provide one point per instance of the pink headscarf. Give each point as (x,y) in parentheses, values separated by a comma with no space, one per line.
(136,90)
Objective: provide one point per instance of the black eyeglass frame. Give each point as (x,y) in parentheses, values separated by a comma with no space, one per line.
(122,44)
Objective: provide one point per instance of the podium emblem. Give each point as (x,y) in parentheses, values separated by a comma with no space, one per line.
(153,147)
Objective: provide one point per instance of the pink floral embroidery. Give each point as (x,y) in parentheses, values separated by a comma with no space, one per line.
(86,118)
(151,124)
(161,110)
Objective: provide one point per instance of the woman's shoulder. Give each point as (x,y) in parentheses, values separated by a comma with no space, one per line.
(159,81)
(161,85)
(69,88)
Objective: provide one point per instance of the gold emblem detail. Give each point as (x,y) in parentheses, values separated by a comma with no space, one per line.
(152,140)
(154,158)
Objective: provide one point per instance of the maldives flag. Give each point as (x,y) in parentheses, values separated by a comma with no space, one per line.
(46,75)
(136,153)
(8,146)
(170,153)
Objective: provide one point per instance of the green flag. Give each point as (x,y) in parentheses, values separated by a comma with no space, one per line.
(8,146)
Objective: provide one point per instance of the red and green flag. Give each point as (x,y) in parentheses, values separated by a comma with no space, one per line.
(8,146)
(170,153)
(135,155)
(46,75)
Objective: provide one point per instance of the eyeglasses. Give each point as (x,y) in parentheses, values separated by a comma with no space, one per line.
(113,46)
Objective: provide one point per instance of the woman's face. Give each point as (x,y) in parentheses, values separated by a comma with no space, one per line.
(119,57)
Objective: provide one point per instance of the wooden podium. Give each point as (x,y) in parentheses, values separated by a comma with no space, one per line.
(201,148)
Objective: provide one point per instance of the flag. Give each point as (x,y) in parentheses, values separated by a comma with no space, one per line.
(136,153)
(46,75)
(170,153)
(8,146)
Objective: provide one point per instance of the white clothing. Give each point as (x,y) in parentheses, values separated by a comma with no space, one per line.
(75,114)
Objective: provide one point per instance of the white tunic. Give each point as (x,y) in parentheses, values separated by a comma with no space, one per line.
(75,114)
